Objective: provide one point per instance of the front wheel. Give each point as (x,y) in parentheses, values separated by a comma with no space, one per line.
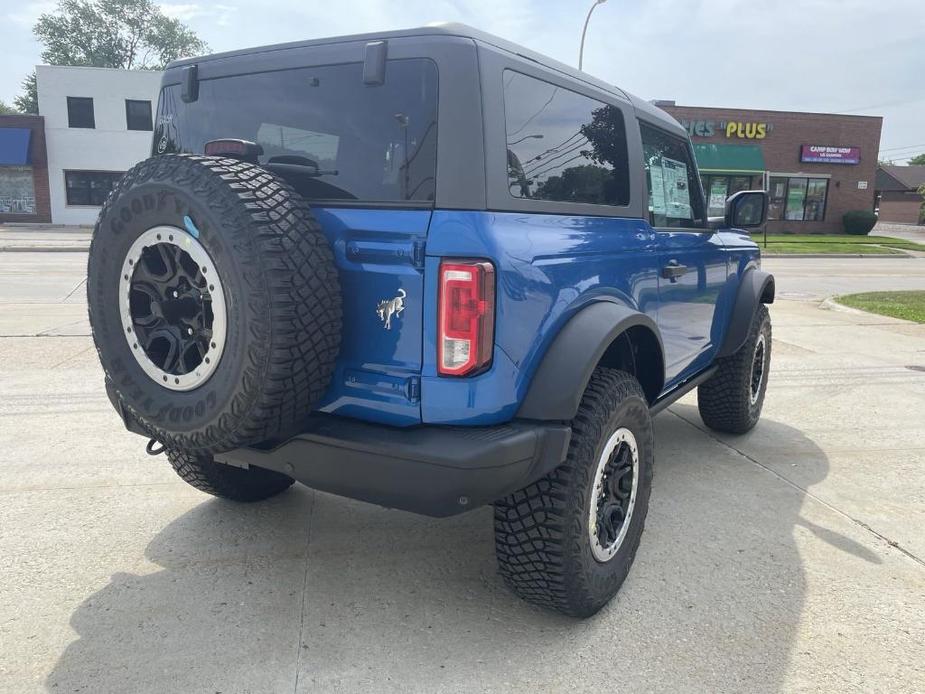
(731,400)
(567,542)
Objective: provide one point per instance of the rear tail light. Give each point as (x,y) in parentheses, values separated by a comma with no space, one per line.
(466,317)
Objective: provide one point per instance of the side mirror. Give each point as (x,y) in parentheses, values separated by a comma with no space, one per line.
(746,209)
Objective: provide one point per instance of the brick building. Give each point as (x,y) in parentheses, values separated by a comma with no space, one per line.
(815,166)
(898,193)
(24,195)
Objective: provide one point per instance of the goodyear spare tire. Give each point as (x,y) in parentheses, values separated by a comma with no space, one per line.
(214,301)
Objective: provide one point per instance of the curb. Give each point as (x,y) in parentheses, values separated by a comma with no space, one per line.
(44,249)
(765,254)
(830,304)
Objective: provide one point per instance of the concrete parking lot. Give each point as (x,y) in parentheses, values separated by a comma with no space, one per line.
(788,559)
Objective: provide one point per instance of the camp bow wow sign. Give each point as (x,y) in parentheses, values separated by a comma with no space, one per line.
(825,154)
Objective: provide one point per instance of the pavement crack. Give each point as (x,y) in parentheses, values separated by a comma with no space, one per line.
(804,490)
(308,541)
(76,287)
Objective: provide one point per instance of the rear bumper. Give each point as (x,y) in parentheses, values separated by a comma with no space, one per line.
(435,471)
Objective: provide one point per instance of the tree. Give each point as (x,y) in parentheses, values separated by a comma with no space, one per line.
(28,101)
(586,182)
(127,34)
(918,160)
(6,110)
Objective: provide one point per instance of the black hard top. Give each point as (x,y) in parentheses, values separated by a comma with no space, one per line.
(452,29)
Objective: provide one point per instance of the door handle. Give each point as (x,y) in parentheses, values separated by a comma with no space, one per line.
(673,270)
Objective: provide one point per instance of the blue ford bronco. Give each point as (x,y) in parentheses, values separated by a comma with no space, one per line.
(431,270)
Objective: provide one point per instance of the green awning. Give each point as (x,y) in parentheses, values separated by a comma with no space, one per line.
(746,159)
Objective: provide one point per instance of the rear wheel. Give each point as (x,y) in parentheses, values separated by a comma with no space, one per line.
(732,399)
(568,541)
(226,481)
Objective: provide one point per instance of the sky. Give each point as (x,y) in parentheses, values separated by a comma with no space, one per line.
(844,56)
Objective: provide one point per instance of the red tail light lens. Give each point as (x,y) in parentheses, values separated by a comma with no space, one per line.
(466,317)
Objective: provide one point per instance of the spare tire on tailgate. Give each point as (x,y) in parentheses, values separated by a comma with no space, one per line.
(214,301)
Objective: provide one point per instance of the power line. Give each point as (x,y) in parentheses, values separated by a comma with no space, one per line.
(901,102)
(542,108)
(541,164)
(894,149)
(536,174)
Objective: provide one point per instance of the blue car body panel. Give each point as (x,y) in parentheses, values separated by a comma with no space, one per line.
(548,267)
(378,252)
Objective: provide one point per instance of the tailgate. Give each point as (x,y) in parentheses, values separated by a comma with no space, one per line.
(380,257)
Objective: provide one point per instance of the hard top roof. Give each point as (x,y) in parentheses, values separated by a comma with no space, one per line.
(453,29)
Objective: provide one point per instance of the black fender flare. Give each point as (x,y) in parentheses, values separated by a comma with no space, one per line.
(561,378)
(756,287)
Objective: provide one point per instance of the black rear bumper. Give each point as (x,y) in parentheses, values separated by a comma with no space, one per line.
(435,471)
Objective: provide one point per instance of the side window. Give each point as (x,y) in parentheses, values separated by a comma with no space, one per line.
(138,115)
(563,146)
(80,112)
(674,191)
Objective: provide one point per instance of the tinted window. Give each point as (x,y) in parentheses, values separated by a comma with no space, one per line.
(89,187)
(138,115)
(80,112)
(675,199)
(563,146)
(337,137)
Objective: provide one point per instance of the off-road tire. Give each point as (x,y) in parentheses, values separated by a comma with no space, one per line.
(282,291)
(541,532)
(726,400)
(226,481)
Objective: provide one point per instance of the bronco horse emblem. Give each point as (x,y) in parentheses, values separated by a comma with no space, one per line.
(391,307)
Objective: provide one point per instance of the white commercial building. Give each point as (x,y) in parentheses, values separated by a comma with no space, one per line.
(98,124)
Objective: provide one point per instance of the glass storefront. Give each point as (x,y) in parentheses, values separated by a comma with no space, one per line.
(797,198)
(17,190)
(718,187)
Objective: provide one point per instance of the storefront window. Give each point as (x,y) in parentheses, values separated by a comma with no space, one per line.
(89,188)
(17,192)
(778,193)
(720,187)
(815,199)
(797,199)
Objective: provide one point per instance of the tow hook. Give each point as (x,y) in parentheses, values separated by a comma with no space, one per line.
(151,450)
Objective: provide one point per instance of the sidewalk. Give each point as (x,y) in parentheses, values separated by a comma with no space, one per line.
(44,237)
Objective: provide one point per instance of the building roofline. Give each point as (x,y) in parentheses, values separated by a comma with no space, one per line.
(772,110)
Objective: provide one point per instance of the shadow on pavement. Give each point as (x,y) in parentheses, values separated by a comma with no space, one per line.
(384,600)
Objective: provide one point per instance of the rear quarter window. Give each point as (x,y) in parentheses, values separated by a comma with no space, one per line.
(563,146)
(354,142)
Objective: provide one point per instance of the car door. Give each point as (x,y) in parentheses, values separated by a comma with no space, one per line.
(692,257)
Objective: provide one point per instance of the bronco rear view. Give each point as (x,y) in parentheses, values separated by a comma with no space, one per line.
(431,270)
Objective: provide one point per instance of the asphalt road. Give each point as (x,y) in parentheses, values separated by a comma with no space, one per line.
(789,559)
